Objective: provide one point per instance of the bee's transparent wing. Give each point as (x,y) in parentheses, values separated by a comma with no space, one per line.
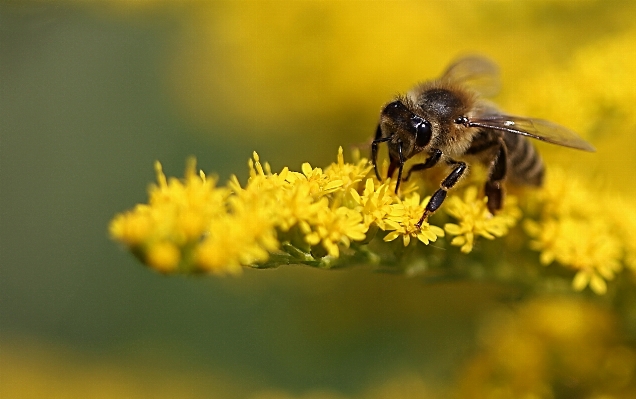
(535,128)
(476,72)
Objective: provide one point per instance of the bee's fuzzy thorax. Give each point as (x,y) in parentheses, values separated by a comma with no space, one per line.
(442,97)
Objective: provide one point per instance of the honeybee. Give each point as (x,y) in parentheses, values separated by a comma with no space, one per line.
(450,122)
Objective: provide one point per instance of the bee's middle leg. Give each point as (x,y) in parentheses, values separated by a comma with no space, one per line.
(439,196)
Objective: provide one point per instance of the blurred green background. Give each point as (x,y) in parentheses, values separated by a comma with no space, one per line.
(91,95)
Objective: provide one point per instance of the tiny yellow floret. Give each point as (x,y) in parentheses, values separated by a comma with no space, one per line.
(403,219)
(163,256)
(474,219)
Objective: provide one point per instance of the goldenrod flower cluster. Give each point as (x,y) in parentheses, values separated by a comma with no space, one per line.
(309,217)
(590,231)
(341,215)
(193,225)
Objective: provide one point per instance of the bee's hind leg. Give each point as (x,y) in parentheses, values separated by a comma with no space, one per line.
(494,185)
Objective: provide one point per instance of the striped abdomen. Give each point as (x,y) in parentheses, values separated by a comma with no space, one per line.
(525,166)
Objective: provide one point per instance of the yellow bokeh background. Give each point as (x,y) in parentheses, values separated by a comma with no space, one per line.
(300,78)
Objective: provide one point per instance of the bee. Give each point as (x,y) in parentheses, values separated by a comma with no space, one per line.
(449,121)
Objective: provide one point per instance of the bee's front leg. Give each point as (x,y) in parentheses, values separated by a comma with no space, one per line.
(431,161)
(440,195)
(396,162)
(374,149)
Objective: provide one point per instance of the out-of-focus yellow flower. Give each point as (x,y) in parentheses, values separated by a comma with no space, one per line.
(177,215)
(240,239)
(586,230)
(622,216)
(605,67)
(587,246)
(475,220)
(163,256)
(550,348)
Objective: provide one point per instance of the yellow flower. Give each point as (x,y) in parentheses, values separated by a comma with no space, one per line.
(190,225)
(132,228)
(623,216)
(539,347)
(584,245)
(178,214)
(374,204)
(184,208)
(240,239)
(332,228)
(163,256)
(349,174)
(590,232)
(261,179)
(604,67)
(565,194)
(475,219)
(403,219)
(319,184)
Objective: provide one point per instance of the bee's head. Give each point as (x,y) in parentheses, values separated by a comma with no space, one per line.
(407,129)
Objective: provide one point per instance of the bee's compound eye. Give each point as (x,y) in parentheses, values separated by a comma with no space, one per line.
(423,131)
